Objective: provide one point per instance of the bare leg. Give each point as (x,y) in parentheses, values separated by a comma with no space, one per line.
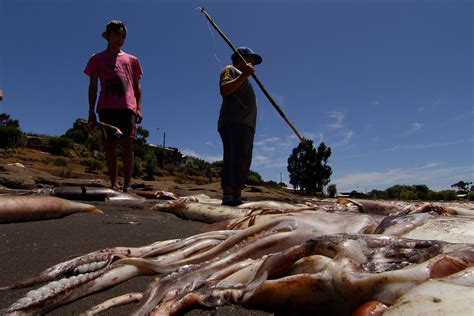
(111,160)
(127,153)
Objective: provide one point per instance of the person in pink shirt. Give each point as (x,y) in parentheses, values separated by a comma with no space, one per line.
(120,99)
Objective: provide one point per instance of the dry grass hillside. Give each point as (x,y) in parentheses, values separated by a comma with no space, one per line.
(74,168)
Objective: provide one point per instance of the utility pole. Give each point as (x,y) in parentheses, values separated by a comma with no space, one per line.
(164,137)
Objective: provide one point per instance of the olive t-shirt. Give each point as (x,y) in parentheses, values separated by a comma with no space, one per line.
(239,107)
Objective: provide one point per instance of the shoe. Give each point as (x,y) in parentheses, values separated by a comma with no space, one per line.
(228,200)
(237,201)
(231,200)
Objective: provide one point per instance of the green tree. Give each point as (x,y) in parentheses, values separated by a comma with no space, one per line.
(10,136)
(323,171)
(300,164)
(422,191)
(5,120)
(254,178)
(59,145)
(151,165)
(142,135)
(332,190)
(447,195)
(308,168)
(77,133)
(10,133)
(462,186)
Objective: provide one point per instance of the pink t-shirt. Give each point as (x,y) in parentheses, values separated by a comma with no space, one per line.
(116,74)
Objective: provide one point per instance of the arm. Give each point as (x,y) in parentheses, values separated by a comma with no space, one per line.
(229,87)
(92,97)
(138,96)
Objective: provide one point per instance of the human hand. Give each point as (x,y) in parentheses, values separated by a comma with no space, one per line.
(247,70)
(139,116)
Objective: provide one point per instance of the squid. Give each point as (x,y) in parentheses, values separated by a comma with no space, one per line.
(112,266)
(332,274)
(305,258)
(23,208)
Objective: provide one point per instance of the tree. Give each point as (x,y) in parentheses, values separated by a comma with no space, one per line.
(10,133)
(462,186)
(5,120)
(142,135)
(323,170)
(421,191)
(308,168)
(140,147)
(254,178)
(332,190)
(77,133)
(299,164)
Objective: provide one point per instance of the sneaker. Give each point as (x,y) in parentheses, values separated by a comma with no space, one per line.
(237,201)
(228,200)
(231,201)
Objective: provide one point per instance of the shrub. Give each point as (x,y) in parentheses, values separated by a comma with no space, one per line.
(201,180)
(332,190)
(58,145)
(10,136)
(408,195)
(181,178)
(93,165)
(69,152)
(151,165)
(447,195)
(271,184)
(66,172)
(60,162)
(137,167)
(254,178)
(190,171)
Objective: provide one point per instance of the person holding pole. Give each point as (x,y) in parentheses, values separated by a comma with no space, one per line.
(237,122)
(120,100)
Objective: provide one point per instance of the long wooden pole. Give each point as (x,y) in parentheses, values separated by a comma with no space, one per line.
(269,97)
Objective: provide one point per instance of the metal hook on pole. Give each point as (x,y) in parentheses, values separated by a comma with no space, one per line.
(269,97)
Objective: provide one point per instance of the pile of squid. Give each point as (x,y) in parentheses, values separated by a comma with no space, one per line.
(344,257)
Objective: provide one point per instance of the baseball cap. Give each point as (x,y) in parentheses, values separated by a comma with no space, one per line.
(246,51)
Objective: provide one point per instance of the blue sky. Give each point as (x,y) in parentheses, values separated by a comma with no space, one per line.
(388,85)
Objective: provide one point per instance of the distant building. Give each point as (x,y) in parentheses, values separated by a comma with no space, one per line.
(188,161)
(35,142)
(160,146)
(1,94)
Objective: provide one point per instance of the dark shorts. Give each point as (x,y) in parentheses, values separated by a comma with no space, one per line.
(237,140)
(123,119)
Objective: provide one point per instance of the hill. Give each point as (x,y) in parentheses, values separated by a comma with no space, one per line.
(27,168)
